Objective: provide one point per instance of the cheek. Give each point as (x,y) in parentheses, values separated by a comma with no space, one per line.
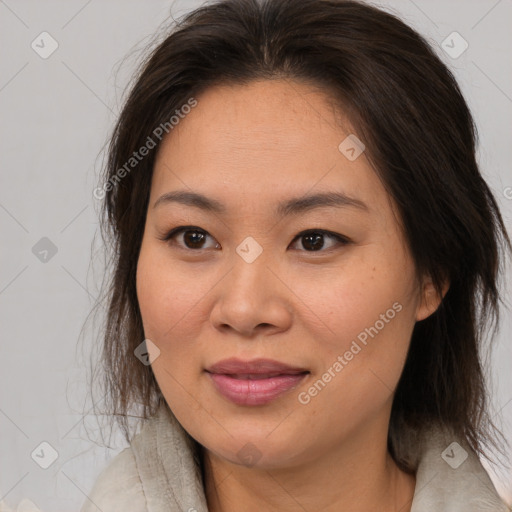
(170,310)
(165,294)
(347,300)
(357,370)
(365,317)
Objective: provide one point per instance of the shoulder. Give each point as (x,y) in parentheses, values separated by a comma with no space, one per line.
(450,477)
(118,487)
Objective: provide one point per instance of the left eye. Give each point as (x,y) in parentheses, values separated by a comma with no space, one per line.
(312,240)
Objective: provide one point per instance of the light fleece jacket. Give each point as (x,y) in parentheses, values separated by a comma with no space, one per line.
(158,473)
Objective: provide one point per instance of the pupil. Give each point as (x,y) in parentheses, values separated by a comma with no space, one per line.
(196,237)
(315,239)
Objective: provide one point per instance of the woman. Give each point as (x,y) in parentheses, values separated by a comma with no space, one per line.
(305,262)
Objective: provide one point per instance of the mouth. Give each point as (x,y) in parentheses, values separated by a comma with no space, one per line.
(256,382)
(257,376)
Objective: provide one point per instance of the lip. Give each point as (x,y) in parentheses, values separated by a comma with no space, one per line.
(234,366)
(254,382)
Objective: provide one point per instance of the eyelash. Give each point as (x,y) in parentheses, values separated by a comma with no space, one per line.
(342,240)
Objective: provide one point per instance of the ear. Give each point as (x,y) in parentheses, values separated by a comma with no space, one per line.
(429,298)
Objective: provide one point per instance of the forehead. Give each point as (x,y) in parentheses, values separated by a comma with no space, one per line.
(258,139)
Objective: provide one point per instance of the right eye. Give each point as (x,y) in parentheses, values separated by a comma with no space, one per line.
(193,238)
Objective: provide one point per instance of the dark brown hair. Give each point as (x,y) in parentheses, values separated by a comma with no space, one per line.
(407,108)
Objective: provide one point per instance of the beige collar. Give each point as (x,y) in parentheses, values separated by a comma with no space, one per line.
(449,477)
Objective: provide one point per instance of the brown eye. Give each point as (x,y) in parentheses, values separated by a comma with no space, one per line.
(192,237)
(314,240)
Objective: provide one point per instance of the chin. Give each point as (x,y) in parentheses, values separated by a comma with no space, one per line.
(256,452)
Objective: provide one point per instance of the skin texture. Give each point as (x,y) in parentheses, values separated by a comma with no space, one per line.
(251,147)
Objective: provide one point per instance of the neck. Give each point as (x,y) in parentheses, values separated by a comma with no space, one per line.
(352,479)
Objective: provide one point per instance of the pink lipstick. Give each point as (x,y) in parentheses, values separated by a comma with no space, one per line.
(255,382)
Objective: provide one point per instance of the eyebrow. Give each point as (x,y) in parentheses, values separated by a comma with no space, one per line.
(289,207)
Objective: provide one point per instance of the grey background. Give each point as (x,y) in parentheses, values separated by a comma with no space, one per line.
(56,116)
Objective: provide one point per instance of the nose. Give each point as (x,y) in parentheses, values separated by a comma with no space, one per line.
(252,300)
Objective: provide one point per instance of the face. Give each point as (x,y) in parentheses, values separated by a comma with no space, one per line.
(327,289)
